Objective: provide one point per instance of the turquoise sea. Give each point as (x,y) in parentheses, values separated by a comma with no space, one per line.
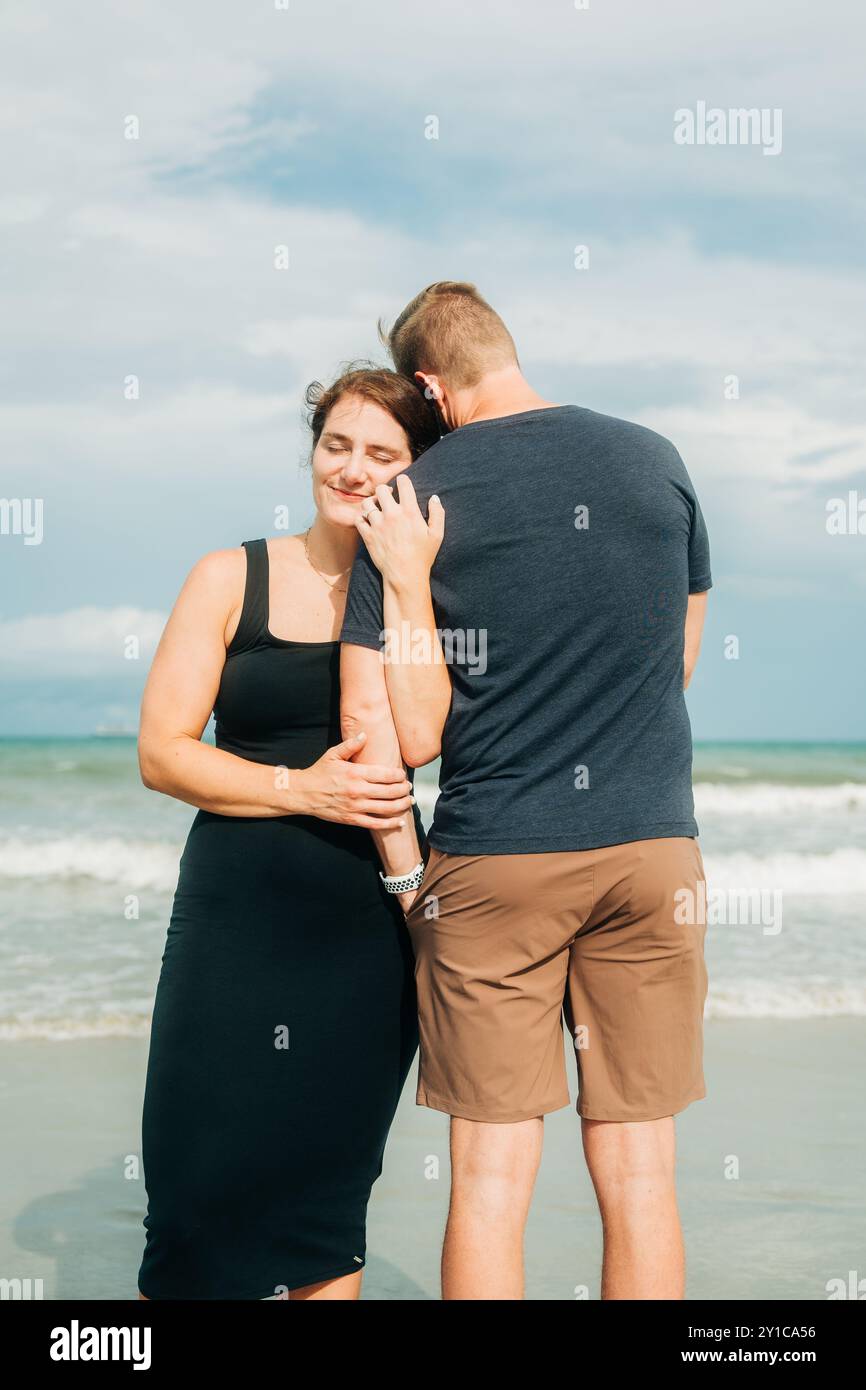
(88,865)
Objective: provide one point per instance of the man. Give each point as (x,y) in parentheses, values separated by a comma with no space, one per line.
(563,842)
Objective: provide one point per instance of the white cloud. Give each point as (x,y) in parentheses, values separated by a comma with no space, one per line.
(579,97)
(767,441)
(85,641)
(21,208)
(663,302)
(122,268)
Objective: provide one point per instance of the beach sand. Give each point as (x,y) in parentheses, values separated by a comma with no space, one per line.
(784,1101)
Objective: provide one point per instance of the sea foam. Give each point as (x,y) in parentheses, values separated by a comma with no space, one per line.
(134,863)
(727,999)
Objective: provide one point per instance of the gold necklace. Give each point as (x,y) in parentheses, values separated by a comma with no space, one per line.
(331,583)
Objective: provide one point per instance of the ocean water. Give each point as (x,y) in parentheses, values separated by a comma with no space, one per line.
(88,865)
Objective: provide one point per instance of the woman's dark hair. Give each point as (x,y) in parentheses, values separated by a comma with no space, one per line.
(390,391)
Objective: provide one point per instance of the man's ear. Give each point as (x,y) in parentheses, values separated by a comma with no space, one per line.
(430,386)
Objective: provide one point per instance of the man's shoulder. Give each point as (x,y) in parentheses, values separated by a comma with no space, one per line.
(427,469)
(435,453)
(628,433)
(623,440)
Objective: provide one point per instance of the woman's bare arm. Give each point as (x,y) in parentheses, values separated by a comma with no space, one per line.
(419,686)
(403,546)
(695,614)
(364,705)
(178,700)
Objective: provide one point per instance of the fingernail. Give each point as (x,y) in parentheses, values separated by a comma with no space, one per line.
(435,497)
(412,799)
(360,735)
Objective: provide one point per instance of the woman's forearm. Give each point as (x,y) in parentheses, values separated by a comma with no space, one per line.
(215,780)
(364,705)
(419,687)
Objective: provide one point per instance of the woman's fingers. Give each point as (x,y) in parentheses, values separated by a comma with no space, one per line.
(365,519)
(375,772)
(385,791)
(349,746)
(374,807)
(436,518)
(386,498)
(406,494)
(378,823)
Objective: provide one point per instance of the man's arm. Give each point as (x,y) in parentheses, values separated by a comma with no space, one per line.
(364,707)
(695,614)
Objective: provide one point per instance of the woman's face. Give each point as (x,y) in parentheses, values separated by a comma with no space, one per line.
(360,447)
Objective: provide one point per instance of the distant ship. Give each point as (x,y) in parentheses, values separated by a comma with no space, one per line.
(114,731)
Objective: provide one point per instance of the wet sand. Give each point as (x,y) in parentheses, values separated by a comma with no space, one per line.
(784,1100)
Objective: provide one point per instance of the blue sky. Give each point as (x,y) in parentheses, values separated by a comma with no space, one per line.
(305,127)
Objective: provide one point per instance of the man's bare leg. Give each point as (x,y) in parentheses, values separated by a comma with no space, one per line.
(632,1167)
(493,1169)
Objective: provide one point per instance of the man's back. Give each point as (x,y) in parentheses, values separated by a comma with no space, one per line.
(572,542)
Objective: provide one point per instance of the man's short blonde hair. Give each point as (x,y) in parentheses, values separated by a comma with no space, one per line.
(450,331)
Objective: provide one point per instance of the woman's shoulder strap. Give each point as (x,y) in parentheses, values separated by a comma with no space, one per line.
(253,623)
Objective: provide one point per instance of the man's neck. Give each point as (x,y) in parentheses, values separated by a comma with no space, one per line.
(506,392)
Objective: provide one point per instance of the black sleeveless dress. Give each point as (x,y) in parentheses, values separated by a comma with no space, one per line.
(285,1020)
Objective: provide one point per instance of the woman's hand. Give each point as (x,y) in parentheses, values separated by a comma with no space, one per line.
(336,789)
(401,543)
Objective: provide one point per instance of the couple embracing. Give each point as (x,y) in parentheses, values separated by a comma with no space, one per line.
(317,932)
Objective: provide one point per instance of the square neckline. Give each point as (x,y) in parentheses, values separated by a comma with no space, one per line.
(271,636)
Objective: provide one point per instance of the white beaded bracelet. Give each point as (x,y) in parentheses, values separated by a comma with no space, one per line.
(404,883)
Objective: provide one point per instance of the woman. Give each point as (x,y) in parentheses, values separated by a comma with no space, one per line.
(285,1022)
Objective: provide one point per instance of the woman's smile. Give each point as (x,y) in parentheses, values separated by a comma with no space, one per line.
(349,496)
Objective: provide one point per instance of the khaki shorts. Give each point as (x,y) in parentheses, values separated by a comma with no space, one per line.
(507,943)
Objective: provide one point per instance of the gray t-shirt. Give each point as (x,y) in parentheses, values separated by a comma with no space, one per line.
(572,542)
